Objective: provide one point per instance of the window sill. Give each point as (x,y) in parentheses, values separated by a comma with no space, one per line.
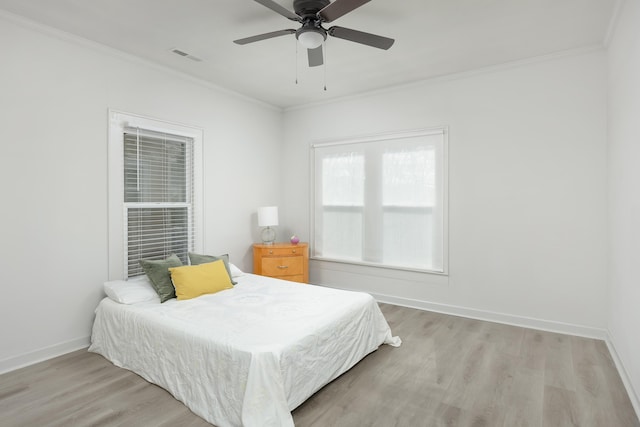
(359,267)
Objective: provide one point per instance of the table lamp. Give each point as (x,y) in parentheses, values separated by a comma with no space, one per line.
(268,217)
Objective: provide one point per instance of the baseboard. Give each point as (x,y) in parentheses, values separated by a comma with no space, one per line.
(490,316)
(633,396)
(40,355)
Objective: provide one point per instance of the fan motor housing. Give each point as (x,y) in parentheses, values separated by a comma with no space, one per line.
(309,8)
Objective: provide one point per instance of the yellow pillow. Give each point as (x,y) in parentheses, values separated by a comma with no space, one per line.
(192,281)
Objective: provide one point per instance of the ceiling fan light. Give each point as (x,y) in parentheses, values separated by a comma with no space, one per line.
(311,39)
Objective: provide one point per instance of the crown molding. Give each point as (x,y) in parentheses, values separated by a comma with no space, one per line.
(456,76)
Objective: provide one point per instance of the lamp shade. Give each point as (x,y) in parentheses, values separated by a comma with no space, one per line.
(268,216)
(311,39)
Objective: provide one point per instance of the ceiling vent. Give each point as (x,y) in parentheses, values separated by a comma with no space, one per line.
(186,55)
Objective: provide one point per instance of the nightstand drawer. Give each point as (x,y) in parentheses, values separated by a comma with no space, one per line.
(282,266)
(287,251)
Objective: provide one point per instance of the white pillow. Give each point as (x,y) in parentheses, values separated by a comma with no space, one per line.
(235,271)
(131,291)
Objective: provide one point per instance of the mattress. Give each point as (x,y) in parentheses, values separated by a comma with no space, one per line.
(246,356)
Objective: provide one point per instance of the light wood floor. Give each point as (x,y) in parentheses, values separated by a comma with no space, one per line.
(449,371)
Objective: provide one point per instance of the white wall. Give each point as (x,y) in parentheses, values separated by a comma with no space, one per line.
(54,95)
(624,194)
(527,196)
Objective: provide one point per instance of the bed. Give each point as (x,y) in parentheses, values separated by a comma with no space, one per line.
(246,356)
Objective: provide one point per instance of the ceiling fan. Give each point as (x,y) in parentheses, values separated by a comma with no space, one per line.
(312,14)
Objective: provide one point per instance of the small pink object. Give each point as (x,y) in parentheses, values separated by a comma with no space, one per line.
(294,240)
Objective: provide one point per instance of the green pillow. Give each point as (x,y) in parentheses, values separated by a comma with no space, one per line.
(158,273)
(197,259)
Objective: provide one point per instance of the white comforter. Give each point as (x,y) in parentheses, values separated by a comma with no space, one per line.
(245,356)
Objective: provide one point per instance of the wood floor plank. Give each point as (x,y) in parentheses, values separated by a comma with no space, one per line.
(560,407)
(558,367)
(533,351)
(450,371)
(523,401)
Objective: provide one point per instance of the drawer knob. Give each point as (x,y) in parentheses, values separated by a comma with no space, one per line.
(283,267)
(270,252)
(293,250)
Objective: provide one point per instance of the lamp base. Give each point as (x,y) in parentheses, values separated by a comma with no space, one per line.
(268,236)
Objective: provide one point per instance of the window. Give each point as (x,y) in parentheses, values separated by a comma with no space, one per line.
(157,196)
(154,192)
(382,201)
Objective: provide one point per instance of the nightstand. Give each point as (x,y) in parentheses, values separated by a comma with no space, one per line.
(282,261)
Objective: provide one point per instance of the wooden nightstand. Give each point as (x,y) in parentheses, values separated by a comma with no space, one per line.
(282,260)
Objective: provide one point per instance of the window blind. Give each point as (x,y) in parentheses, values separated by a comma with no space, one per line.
(158,196)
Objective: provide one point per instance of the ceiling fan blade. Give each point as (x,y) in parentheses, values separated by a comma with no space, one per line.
(339,8)
(264,36)
(279,9)
(315,56)
(369,39)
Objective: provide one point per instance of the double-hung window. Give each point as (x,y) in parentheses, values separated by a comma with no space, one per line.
(155,206)
(381,200)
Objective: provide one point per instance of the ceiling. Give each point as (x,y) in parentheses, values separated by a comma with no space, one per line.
(433,38)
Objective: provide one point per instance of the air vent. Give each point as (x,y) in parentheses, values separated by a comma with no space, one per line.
(179,52)
(185,55)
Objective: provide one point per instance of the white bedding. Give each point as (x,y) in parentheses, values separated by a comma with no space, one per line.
(244,356)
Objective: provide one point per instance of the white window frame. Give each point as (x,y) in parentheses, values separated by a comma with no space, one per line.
(385,137)
(118,123)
